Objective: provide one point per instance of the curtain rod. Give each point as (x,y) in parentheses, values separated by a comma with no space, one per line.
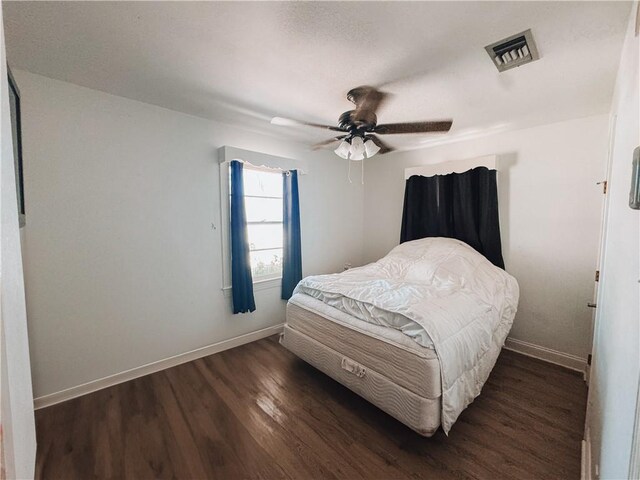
(455,166)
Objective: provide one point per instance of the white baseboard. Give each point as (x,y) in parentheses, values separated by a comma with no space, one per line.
(585,462)
(567,360)
(559,358)
(585,457)
(99,384)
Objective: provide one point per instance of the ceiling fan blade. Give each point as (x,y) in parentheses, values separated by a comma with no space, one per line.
(328,143)
(384,148)
(289,122)
(367,101)
(414,127)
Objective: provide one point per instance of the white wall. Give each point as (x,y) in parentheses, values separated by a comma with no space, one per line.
(16,409)
(550,209)
(616,356)
(122,265)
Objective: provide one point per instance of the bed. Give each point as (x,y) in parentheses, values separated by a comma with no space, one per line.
(415,333)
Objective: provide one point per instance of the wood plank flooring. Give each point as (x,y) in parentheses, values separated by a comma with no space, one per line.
(257,411)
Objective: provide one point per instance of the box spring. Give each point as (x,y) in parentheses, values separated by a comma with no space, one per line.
(417,412)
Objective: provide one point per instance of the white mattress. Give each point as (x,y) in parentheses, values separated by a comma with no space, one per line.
(363,313)
(385,350)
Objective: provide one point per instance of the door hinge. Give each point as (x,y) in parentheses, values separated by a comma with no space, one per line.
(589,359)
(597,275)
(604,186)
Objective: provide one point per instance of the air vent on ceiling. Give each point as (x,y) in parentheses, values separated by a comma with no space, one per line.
(513,51)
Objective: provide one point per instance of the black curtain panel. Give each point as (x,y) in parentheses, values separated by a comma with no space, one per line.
(459,205)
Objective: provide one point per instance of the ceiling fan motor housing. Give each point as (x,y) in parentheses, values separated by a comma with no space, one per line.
(349,122)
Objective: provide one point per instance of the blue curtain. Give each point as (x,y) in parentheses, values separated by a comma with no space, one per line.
(241,281)
(292,251)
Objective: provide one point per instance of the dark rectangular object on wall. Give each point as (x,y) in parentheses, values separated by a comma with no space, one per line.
(16,130)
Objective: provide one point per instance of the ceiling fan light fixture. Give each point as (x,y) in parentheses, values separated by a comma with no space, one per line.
(343,150)
(357,156)
(357,148)
(370,148)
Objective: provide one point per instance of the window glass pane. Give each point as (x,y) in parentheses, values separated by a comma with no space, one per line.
(262,184)
(263,209)
(266,262)
(263,236)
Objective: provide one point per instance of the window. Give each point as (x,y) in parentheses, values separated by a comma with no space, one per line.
(263,205)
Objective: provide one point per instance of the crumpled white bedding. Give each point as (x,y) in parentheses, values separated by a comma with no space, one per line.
(444,295)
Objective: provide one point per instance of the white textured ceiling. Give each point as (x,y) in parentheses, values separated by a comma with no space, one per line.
(244,62)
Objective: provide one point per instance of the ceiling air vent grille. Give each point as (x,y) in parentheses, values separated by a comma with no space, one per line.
(513,51)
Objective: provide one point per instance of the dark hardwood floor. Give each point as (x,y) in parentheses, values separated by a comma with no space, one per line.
(258,412)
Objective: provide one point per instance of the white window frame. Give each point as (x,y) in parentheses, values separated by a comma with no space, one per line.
(256,161)
(272,171)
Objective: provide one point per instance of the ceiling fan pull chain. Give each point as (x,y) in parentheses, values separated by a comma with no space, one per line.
(362,172)
(349,174)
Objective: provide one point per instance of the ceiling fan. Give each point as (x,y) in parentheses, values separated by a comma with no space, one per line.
(359,127)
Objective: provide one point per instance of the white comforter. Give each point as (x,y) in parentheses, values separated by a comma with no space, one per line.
(444,295)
